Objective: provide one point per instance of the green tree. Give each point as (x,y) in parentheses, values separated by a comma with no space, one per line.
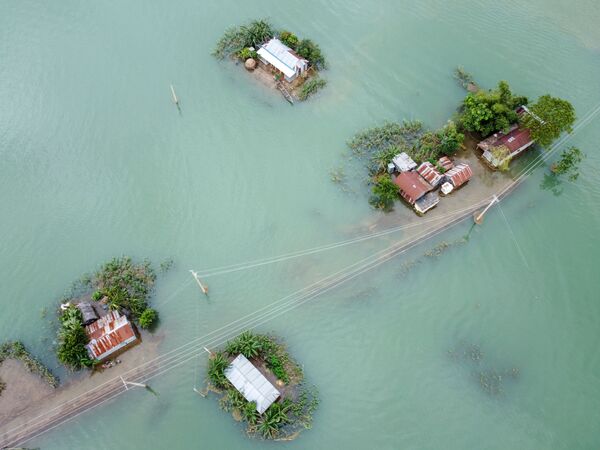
(549,119)
(490,111)
(289,39)
(450,139)
(257,32)
(312,52)
(385,193)
(148,318)
(568,163)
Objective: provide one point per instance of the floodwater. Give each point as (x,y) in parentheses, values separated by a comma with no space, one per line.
(95,161)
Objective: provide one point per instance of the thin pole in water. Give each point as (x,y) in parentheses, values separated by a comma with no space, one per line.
(175,99)
(479,217)
(203,288)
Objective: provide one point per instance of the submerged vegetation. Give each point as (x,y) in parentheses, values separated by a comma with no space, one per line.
(283,419)
(311,87)
(491,380)
(568,164)
(16,350)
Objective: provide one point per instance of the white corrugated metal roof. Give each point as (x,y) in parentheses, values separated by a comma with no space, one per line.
(251,383)
(281,56)
(403,162)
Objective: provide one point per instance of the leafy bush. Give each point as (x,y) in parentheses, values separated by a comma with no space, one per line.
(148,318)
(237,38)
(72,339)
(311,86)
(96,296)
(487,112)
(385,193)
(312,52)
(551,117)
(216,370)
(289,39)
(246,53)
(276,364)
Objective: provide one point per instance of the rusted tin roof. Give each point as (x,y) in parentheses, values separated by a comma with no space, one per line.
(412,186)
(459,175)
(109,334)
(430,173)
(446,163)
(516,140)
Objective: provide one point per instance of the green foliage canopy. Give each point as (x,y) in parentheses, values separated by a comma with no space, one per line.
(551,117)
(487,112)
(148,318)
(72,339)
(312,52)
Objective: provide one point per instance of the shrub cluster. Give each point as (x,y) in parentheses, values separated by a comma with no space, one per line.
(72,339)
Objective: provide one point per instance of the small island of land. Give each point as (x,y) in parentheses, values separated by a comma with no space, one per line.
(491,128)
(279,59)
(262,386)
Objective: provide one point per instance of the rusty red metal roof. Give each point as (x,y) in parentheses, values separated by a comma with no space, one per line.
(412,186)
(516,140)
(430,173)
(460,174)
(446,163)
(109,334)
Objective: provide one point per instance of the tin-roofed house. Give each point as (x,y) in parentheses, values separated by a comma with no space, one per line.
(500,148)
(283,59)
(252,384)
(459,175)
(109,335)
(416,191)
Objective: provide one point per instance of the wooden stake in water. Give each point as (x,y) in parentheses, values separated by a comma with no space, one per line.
(203,288)
(479,217)
(175,99)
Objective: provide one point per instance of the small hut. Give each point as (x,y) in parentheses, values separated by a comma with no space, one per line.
(88,312)
(459,175)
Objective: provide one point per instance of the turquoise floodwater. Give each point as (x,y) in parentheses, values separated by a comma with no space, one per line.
(95,161)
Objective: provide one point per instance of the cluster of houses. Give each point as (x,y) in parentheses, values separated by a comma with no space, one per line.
(109,332)
(418,185)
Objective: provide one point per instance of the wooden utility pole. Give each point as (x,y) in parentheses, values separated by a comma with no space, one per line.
(203,288)
(478,217)
(175,99)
